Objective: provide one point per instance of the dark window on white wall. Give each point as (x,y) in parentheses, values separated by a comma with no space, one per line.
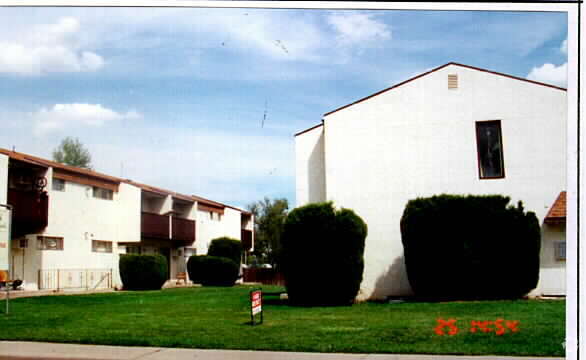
(58,185)
(49,243)
(133,250)
(101,246)
(560,250)
(102,193)
(490,149)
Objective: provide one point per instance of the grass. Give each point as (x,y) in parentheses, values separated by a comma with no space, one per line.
(218,318)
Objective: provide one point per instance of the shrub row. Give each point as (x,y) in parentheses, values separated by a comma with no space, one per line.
(143,272)
(220,267)
(212,270)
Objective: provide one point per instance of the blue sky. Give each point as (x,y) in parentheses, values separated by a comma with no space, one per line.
(206,101)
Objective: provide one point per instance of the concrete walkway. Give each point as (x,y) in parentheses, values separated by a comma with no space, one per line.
(35,350)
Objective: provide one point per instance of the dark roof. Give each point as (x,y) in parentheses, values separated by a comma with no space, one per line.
(436,69)
(90,173)
(311,128)
(557,212)
(48,163)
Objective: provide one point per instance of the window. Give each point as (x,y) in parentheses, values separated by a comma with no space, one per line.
(560,250)
(214,216)
(490,149)
(102,193)
(133,250)
(101,246)
(58,184)
(49,243)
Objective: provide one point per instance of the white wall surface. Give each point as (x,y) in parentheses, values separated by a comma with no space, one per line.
(78,217)
(310,176)
(419,140)
(552,278)
(207,229)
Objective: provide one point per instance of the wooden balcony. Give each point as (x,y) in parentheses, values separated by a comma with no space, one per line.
(30,211)
(183,229)
(154,225)
(246,238)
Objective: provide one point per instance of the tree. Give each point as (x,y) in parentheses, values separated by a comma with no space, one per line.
(72,152)
(269,218)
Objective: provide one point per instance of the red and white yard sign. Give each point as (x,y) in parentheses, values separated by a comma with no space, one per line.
(256,301)
(255,306)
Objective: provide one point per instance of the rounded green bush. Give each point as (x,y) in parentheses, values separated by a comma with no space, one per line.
(470,247)
(323,252)
(143,272)
(212,270)
(226,247)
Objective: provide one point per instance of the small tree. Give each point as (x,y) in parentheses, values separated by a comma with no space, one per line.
(72,152)
(226,247)
(269,219)
(323,255)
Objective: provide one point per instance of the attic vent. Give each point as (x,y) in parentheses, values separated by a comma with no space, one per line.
(452,81)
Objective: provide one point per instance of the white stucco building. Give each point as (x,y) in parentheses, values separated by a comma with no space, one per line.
(455,129)
(69,225)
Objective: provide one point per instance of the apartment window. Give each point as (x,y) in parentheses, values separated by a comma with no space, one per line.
(560,250)
(214,216)
(101,246)
(490,149)
(58,184)
(133,250)
(49,243)
(102,193)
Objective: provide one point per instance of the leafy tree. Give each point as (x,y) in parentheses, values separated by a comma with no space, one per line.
(72,152)
(269,218)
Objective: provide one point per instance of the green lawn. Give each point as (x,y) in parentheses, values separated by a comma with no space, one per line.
(218,318)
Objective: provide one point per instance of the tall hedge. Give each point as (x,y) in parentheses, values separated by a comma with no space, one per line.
(143,272)
(212,270)
(322,255)
(470,247)
(226,247)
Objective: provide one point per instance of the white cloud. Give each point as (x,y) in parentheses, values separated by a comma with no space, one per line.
(48,48)
(358,29)
(549,73)
(220,165)
(61,116)
(564,47)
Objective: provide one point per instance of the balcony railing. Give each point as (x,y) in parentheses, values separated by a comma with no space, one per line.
(246,238)
(157,226)
(154,225)
(183,229)
(29,211)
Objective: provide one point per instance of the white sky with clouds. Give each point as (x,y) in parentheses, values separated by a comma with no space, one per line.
(176,97)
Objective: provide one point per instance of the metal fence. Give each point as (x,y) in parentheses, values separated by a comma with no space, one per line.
(59,279)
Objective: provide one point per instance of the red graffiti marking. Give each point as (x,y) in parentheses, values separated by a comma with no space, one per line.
(450,323)
(499,326)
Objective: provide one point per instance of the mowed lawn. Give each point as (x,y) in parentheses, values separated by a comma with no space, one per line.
(218,318)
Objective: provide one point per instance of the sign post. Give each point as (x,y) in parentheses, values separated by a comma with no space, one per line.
(5,222)
(255,306)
